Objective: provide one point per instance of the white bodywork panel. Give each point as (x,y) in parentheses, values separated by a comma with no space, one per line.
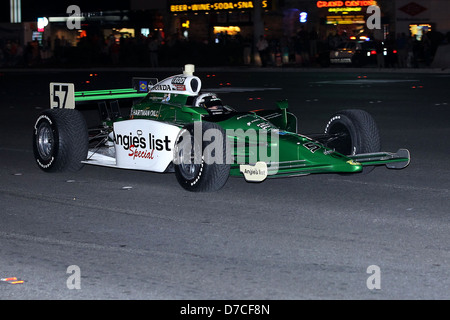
(179,84)
(139,144)
(62,95)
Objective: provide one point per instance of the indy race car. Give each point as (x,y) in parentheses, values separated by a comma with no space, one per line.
(175,127)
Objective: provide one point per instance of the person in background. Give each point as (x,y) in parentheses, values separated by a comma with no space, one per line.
(402,49)
(153,47)
(380,54)
(263,46)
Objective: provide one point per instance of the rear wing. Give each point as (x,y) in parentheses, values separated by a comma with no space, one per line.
(64,96)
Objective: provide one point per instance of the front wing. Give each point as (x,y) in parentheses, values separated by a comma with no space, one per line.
(261,170)
(398,160)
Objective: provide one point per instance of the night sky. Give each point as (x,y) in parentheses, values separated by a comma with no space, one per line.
(31,9)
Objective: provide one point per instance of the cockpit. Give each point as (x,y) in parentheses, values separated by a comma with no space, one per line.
(211,102)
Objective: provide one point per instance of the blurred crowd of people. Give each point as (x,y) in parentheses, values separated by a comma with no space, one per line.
(13,54)
(305,49)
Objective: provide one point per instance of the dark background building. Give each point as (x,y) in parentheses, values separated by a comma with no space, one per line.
(211,32)
(32,9)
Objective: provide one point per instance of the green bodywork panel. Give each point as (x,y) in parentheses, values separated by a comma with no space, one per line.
(286,152)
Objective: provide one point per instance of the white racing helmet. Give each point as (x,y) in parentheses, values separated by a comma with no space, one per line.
(210,102)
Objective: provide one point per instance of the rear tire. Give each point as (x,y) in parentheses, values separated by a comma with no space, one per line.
(195,169)
(359,133)
(60,140)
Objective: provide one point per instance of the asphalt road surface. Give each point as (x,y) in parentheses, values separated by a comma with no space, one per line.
(116,234)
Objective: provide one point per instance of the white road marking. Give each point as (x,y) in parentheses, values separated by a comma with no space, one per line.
(363,81)
(237,89)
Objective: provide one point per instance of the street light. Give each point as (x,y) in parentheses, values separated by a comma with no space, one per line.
(15,11)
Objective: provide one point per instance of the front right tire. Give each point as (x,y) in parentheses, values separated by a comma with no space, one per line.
(357,131)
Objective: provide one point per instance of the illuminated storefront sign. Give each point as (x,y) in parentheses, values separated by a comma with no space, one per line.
(42,23)
(216,6)
(345,9)
(418,30)
(335,4)
(303,18)
(345,12)
(345,20)
(231,30)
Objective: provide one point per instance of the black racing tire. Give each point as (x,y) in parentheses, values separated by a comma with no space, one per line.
(196,167)
(60,140)
(359,133)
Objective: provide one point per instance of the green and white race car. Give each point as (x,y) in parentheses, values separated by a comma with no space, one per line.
(175,127)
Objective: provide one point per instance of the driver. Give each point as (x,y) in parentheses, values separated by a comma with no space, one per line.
(210,102)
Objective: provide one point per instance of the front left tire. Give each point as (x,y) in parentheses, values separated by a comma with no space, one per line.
(202,164)
(60,140)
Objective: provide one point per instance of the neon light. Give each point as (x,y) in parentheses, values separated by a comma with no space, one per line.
(303,17)
(345,9)
(42,23)
(186,24)
(328,4)
(216,6)
(231,30)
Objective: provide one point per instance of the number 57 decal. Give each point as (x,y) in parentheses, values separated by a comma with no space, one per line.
(62,95)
